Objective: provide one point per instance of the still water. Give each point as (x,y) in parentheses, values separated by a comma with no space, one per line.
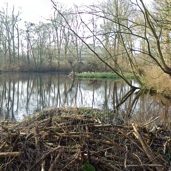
(22,95)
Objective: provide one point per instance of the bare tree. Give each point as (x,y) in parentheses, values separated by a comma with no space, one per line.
(9,25)
(130,32)
(117,69)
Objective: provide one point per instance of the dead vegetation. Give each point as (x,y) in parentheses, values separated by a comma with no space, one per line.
(154,77)
(69,139)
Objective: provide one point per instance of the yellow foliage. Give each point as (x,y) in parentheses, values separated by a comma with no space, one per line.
(155,77)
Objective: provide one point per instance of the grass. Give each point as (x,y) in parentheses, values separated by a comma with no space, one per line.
(102,75)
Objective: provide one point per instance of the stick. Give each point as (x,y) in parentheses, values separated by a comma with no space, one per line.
(147,149)
(10,154)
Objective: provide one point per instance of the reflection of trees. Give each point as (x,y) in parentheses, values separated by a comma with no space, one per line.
(34,92)
(105,105)
(29,92)
(1,99)
(7,97)
(91,84)
(154,107)
(115,95)
(58,92)
(69,91)
(25,94)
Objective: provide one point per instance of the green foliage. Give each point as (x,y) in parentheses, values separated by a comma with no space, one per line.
(104,75)
(88,167)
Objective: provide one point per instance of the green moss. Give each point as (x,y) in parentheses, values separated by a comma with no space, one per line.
(88,167)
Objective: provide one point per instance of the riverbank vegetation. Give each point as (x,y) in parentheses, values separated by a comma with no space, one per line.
(79,139)
(157,79)
(102,75)
(116,40)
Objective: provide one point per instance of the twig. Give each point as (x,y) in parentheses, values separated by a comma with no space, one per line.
(10,154)
(44,156)
(55,161)
(147,149)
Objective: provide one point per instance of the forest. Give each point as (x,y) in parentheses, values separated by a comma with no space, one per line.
(115,35)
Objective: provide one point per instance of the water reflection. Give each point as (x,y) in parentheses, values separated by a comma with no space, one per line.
(23,94)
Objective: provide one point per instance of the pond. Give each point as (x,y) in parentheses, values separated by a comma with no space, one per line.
(21,95)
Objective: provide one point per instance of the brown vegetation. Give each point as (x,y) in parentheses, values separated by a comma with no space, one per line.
(154,77)
(69,139)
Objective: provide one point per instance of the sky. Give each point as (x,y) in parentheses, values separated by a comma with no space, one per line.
(35,10)
(39,10)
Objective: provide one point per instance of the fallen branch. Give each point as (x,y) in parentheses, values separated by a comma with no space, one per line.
(9,154)
(52,142)
(147,150)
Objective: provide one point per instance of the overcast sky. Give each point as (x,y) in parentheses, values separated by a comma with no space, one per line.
(33,10)
(36,10)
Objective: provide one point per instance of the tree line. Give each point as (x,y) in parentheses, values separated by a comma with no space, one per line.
(118,35)
(134,36)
